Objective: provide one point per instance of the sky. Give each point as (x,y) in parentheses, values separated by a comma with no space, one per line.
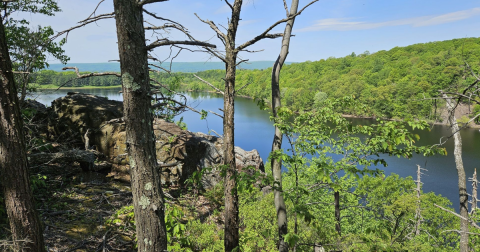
(328,28)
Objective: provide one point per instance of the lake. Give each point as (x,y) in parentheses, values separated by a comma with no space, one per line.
(254,130)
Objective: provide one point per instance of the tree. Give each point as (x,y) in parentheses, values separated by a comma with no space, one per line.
(146,188)
(29,47)
(24,222)
(276,162)
(230,60)
(462,180)
(137,113)
(324,145)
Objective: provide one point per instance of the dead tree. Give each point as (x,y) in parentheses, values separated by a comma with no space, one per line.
(276,163)
(418,210)
(462,181)
(230,59)
(474,181)
(20,206)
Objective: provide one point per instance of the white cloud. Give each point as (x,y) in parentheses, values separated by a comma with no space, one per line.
(345,24)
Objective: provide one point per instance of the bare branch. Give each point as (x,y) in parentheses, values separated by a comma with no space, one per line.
(163,27)
(459,216)
(229,4)
(241,61)
(220,34)
(93,13)
(160,67)
(215,113)
(216,54)
(83,23)
(82,76)
(144,2)
(163,19)
(208,83)
(286,6)
(79,76)
(216,133)
(265,33)
(164,42)
(238,90)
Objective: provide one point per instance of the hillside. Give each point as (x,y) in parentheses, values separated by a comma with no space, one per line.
(397,83)
(392,83)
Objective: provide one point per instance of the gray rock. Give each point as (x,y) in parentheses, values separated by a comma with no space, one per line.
(189,151)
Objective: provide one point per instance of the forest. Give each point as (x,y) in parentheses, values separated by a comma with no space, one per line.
(92,174)
(394,84)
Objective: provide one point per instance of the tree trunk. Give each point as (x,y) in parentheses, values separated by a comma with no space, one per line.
(24,222)
(474,191)
(278,136)
(338,228)
(418,211)
(231,197)
(140,140)
(462,181)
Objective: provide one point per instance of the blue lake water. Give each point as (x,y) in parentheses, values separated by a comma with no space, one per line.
(254,130)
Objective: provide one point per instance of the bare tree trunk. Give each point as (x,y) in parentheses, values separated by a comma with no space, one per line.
(231,196)
(338,227)
(20,206)
(280,207)
(474,191)
(418,211)
(462,181)
(140,140)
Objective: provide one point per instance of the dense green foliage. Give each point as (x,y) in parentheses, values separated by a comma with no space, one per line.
(29,47)
(392,83)
(327,154)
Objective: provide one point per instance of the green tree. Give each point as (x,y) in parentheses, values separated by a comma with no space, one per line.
(29,47)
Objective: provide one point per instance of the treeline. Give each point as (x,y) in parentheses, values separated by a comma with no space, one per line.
(393,84)
(68,79)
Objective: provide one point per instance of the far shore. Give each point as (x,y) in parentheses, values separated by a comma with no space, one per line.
(52,87)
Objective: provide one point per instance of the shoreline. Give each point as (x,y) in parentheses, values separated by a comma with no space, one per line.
(84,87)
(471,126)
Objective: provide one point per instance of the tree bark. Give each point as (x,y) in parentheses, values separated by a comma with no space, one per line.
(474,192)
(280,207)
(20,206)
(418,211)
(338,227)
(462,181)
(140,140)
(232,237)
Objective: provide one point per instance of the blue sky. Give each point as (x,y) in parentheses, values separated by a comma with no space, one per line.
(327,28)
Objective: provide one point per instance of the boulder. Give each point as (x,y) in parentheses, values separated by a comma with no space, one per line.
(179,152)
(77,112)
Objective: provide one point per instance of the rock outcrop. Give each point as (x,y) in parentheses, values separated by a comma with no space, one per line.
(179,152)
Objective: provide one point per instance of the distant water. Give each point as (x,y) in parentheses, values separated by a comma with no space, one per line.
(254,130)
(186,67)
